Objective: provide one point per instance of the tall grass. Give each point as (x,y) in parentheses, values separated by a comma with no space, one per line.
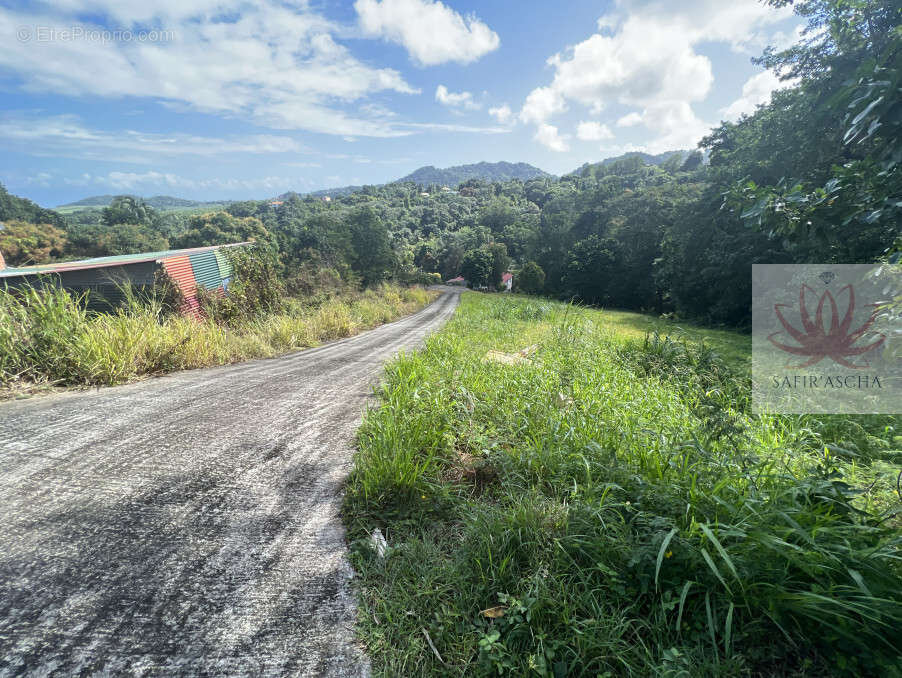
(46,336)
(621,510)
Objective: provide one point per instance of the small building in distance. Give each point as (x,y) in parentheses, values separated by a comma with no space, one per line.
(104,277)
(459,280)
(507,281)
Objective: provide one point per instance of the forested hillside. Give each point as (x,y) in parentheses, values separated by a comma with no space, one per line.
(812,177)
(159,202)
(487,171)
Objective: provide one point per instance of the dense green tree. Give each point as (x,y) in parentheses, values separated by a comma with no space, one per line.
(96,240)
(500,262)
(221,228)
(849,64)
(373,258)
(530,279)
(22,243)
(12,207)
(477,268)
(498,215)
(127,209)
(591,267)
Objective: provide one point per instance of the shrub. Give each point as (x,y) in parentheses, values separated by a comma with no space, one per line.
(47,336)
(611,508)
(256,288)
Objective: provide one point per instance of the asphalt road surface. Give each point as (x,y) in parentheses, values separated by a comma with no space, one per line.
(189,525)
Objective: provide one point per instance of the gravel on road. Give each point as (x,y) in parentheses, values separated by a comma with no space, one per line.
(189,524)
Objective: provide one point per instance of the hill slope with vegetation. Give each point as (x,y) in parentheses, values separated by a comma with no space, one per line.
(162,203)
(481,171)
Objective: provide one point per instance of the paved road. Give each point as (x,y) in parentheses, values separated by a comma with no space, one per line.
(188,525)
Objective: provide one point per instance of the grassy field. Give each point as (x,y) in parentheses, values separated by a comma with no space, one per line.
(608,506)
(47,339)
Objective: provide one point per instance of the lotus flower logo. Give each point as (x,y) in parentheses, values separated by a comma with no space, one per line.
(816,343)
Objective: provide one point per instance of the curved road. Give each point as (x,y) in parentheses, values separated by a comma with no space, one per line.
(188,525)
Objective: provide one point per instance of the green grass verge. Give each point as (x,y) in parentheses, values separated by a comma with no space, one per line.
(46,337)
(611,508)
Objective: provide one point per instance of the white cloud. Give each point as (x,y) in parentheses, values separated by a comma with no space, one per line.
(431,32)
(442,127)
(66,136)
(630,120)
(275,64)
(756,90)
(593,131)
(502,114)
(541,104)
(675,126)
(548,136)
(745,25)
(129,180)
(645,56)
(456,99)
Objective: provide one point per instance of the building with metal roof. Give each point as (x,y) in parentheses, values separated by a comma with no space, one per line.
(104,277)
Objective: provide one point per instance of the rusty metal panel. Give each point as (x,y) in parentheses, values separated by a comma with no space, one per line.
(179,269)
(191,308)
(206,270)
(225,266)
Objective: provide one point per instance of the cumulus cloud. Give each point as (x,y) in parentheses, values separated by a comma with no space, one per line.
(456,99)
(502,114)
(271,63)
(548,136)
(593,131)
(541,104)
(431,32)
(644,56)
(674,124)
(630,120)
(757,90)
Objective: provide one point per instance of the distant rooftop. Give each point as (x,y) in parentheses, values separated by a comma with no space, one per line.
(103,262)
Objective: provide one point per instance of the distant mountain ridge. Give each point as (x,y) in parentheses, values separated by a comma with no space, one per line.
(646,158)
(486,171)
(158,202)
(448,176)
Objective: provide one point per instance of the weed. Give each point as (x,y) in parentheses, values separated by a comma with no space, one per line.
(634,518)
(47,336)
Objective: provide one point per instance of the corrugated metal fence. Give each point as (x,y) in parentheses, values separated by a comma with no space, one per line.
(210,270)
(180,271)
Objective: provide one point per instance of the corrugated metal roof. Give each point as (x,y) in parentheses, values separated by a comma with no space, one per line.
(225,266)
(102,262)
(206,270)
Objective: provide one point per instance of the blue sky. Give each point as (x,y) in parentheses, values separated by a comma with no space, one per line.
(212,99)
